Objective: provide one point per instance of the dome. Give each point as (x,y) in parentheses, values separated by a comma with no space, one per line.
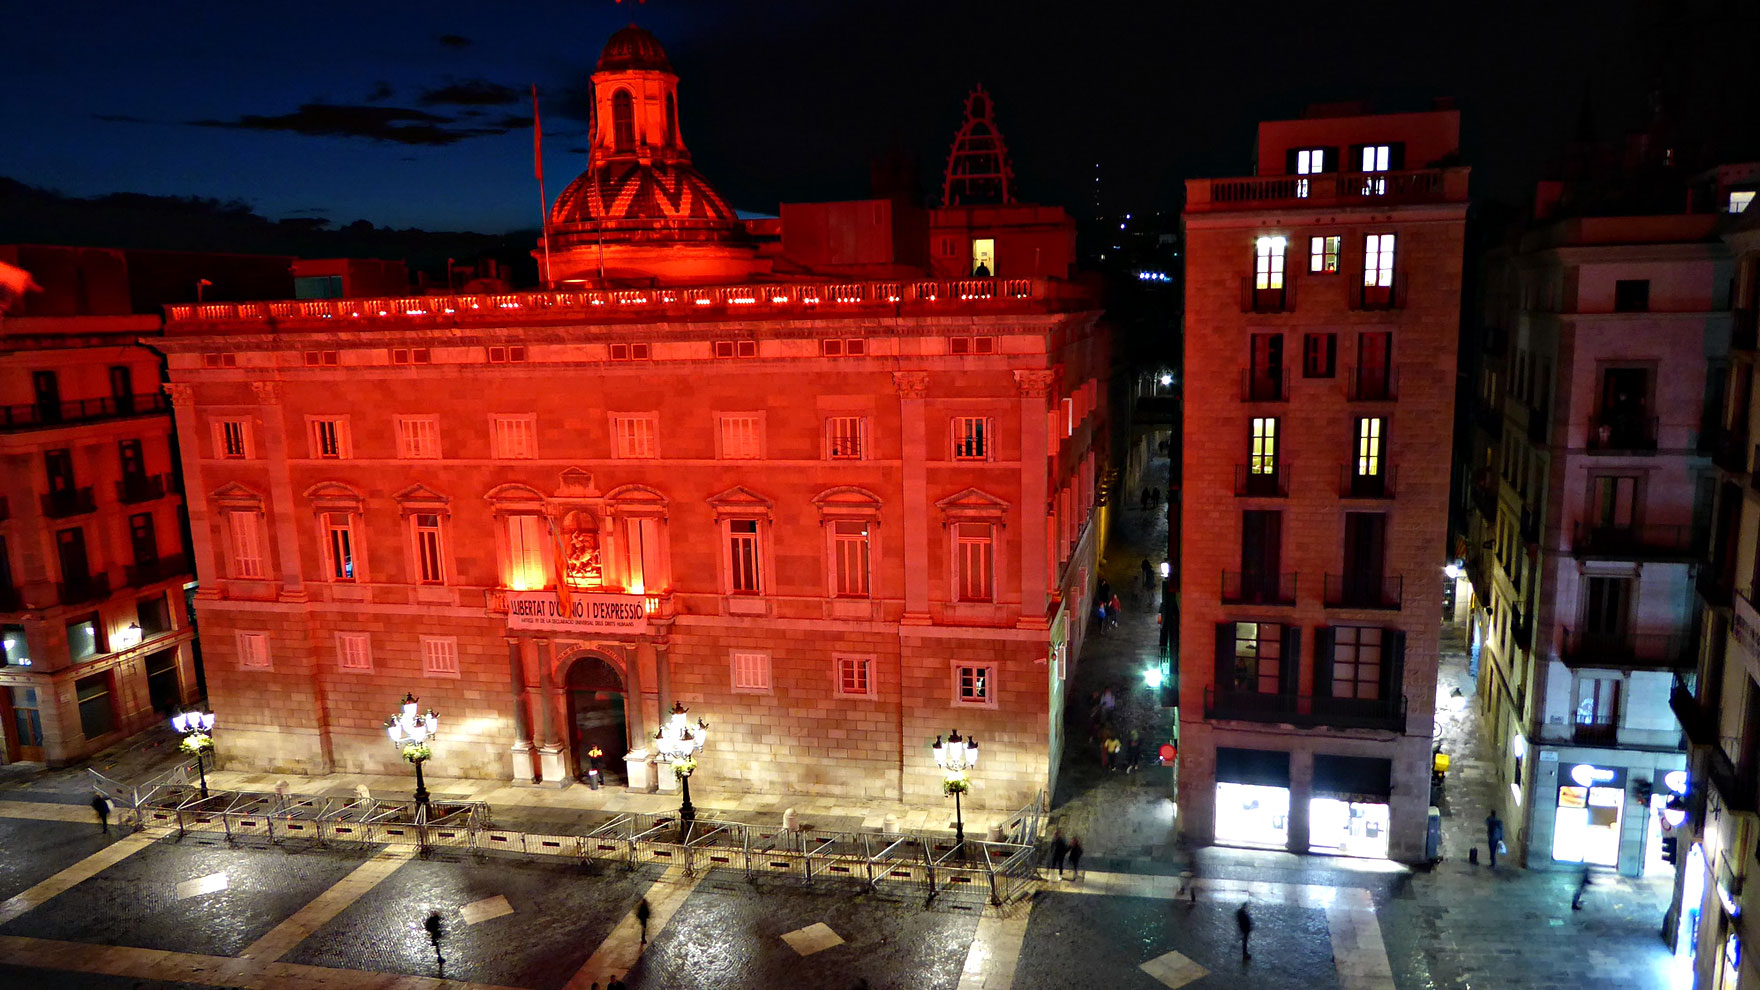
(633,48)
(671,194)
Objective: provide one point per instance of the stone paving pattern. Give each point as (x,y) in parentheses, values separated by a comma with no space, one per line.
(34,851)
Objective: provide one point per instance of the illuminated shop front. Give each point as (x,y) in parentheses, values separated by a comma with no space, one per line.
(1348,813)
(1591,808)
(1252,797)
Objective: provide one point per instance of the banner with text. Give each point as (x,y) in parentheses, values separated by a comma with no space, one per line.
(626,614)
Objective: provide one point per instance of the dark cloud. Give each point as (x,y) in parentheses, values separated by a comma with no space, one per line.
(472,93)
(455,41)
(311,209)
(397,124)
(121,118)
(512,122)
(381,91)
(577,151)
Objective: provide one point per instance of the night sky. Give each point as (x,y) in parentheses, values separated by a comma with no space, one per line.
(418,114)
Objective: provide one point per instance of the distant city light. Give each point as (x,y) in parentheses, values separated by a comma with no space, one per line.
(1453,571)
(1152,677)
(1149,276)
(1167,379)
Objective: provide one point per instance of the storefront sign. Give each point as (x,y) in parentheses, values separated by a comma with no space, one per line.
(541,610)
(1587,775)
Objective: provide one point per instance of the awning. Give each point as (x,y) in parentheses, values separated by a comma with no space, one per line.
(1363,779)
(1267,768)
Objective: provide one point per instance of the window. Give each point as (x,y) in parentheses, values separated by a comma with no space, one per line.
(1631,295)
(634,435)
(1598,701)
(736,348)
(1309,161)
(430,556)
(339,549)
(971,685)
(844,436)
(142,538)
(247,544)
(983,256)
(751,672)
(315,359)
(528,546)
(418,437)
(26,718)
(1268,262)
(971,438)
(1356,662)
(641,547)
(1323,254)
(354,652)
(515,437)
(154,615)
(1739,199)
(15,645)
(83,639)
(1370,446)
(849,539)
(623,121)
(1267,379)
(329,438)
(231,439)
(96,715)
(440,655)
(742,546)
(1378,260)
(253,650)
(1258,657)
(975,562)
(1264,446)
(740,436)
(1376,157)
(1319,355)
(855,677)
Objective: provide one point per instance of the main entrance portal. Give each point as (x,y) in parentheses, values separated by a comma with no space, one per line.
(596,717)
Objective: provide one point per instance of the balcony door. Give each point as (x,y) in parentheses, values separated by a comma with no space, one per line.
(1365,555)
(1261,554)
(122,388)
(70,546)
(48,391)
(1625,393)
(1266,381)
(142,538)
(134,465)
(1607,609)
(1374,365)
(58,465)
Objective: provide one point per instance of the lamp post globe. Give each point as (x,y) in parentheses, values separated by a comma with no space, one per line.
(197,729)
(956,757)
(679,742)
(413,732)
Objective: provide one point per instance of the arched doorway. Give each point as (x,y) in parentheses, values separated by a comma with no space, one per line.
(596,716)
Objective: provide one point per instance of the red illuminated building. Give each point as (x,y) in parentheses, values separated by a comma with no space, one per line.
(1322,312)
(834,495)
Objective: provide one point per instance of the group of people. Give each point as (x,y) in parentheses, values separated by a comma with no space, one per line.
(1107,611)
(1066,850)
(1151,498)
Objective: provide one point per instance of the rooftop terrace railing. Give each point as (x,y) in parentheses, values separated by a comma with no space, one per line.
(1435,185)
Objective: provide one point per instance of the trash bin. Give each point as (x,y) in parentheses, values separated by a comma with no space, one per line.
(1433,836)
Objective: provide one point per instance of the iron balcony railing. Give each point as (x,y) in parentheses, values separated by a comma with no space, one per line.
(145,572)
(1372,383)
(1354,485)
(140,488)
(1737,788)
(1585,648)
(1622,434)
(1484,498)
(1697,718)
(79,592)
(1354,591)
(37,416)
(1636,542)
(1261,484)
(1714,586)
(1258,589)
(1306,710)
(1281,299)
(1436,185)
(1265,385)
(1595,733)
(1373,297)
(69,502)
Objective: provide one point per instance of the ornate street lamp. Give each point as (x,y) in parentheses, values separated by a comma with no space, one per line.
(955,758)
(679,741)
(196,728)
(411,733)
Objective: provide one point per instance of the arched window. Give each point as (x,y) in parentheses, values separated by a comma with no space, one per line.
(671,122)
(623,120)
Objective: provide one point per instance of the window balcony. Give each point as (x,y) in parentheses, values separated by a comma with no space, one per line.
(1735,787)
(1539,426)
(11,599)
(1258,589)
(1250,484)
(145,572)
(1730,452)
(1484,499)
(39,416)
(1626,650)
(1372,383)
(1622,434)
(1490,419)
(1379,297)
(93,588)
(1742,332)
(1257,300)
(1306,710)
(1354,485)
(1645,542)
(69,502)
(1697,718)
(1714,587)
(1264,386)
(1353,591)
(1521,628)
(1530,524)
(1595,733)
(140,488)
(1330,189)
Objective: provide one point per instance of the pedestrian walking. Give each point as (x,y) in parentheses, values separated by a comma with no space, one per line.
(1104,591)
(1114,608)
(1100,612)
(1059,851)
(616,984)
(1109,759)
(102,807)
(1145,500)
(1107,703)
(1494,835)
(1582,888)
(642,913)
(1075,858)
(1244,919)
(1133,753)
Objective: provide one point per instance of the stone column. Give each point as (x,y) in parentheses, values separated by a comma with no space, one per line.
(913,387)
(283,509)
(1301,790)
(1037,457)
(550,761)
(522,722)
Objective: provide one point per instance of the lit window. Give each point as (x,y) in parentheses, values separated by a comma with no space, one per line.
(742,546)
(247,546)
(1356,662)
(339,545)
(253,650)
(1309,161)
(329,438)
(430,559)
(353,652)
(634,435)
(843,437)
(850,547)
(641,546)
(1264,452)
(1258,657)
(515,437)
(528,546)
(1739,199)
(1268,262)
(440,655)
(975,559)
(233,440)
(855,677)
(983,256)
(1369,446)
(751,671)
(740,437)
(1378,260)
(971,438)
(971,685)
(1376,157)
(418,437)
(1323,254)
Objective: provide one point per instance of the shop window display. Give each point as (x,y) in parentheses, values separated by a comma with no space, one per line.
(1351,828)
(1252,814)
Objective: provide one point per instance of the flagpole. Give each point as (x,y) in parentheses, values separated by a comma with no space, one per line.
(543,200)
